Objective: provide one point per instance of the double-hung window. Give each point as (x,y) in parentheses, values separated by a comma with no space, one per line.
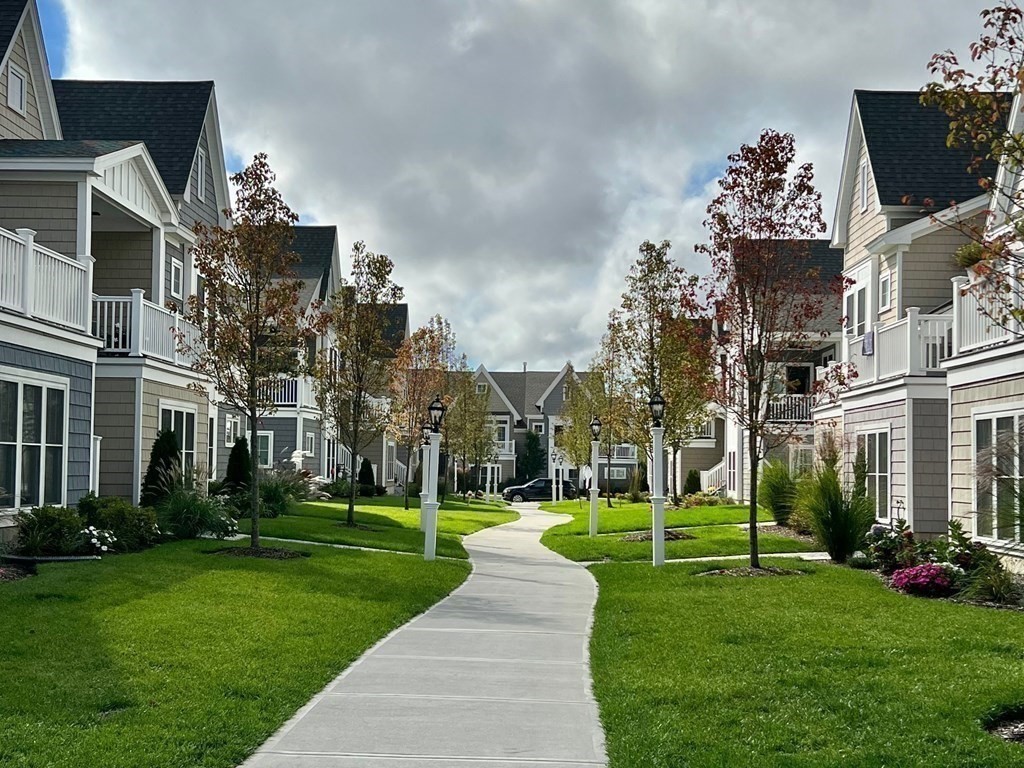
(310,444)
(885,290)
(874,446)
(17,88)
(999,475)
(730,471)
(33,440)
(857,311)
(265,449)
(232,429)
(177,278)
(181,421)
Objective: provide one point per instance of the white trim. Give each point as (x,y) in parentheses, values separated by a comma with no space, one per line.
(22,331)
(481,371)
(990,413)
(554,382)
(13,70)
(179,266)
(926,225)
(884,292)
(989,364)
(309,438)
(211,443)
(875,428)
(862,177)
(137,440)
(235,421)
(269,434)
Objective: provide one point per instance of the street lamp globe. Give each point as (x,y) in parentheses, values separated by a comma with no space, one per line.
(426,430)
(436,411)
(657,405)
(595,427)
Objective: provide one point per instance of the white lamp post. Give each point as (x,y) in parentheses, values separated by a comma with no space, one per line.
(436,411)
(559,474)
(657,405)
(595,446)
(424,475)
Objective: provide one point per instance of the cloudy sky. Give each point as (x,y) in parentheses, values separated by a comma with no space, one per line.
(510,155)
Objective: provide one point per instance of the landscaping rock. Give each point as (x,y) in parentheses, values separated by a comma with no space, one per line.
(1008,727)
(11,573)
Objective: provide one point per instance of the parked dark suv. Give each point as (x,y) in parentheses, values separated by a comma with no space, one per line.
(538,490)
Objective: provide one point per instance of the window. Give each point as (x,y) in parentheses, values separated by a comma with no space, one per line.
(885,290)
(565,391)
(177,273)
(389,462)
(875,448)
(211,447)
(232,429)
(616,473)
(181,421)
(730,471)
(863,186)
(33,433)
(310,445)
(481,388)
(265,449)
(17,87)
(828,358)
(857,311)
(538,427)
(201,175)
(801,459)
(999,475)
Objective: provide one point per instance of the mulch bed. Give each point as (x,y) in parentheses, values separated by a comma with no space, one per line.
(1008,727)
(267,553)
(10,573)
(749,572)
(671,534)
(789,533)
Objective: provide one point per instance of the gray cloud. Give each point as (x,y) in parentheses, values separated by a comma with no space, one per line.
(510,155)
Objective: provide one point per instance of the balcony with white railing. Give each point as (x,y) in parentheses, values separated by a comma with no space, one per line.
(622,452)
(790,407)
(43,284)
(134,327)
(713,478)
(294,393)
(981,319)
(913,346)
(505,447)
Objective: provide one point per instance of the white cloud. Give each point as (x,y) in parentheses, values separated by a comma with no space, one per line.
(511,155)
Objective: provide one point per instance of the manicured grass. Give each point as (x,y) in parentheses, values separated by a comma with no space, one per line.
(830,669)
(636,517)
(711,541)
(384,524)
(176,658)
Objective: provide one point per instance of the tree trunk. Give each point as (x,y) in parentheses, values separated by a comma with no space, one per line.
(755,557)
(408,473)
(254,491)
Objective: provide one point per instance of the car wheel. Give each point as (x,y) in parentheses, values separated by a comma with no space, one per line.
(517,499)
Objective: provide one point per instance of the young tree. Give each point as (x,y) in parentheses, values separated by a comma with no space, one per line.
(578,411)
(467,434)
(249,305)
(766,296)
(980,97)
(420,374)
(606,387)
(352,375)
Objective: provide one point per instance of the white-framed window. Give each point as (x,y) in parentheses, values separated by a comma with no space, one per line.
(17,88)
(201,175)
(885,290)
(310,444)
(33,439)
(616,473)
(181,419)
(265,449)
(390,457)
(481,387)
(538,427)
(177,277)
(999,475)
(828,358)
(863,178)
(565,392)
(875,448)
(730,471)
(232,430)
(801,459)
(707,431)
(211,448)
(857,310)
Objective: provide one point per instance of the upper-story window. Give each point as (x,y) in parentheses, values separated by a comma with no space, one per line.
(884,290)
(481,388)
(17,88)
(201,175)
(177,277)
(857,311)
(863,178)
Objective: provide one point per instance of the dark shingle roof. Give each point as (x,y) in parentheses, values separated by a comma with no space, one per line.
(907,148)
(315,249)
(60,149)
(167,116)
(11,12)
(397,323)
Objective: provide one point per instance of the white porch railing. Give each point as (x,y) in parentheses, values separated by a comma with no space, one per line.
(620,453)
(136,327)
(401,470)
(973,326)
(913,346)
(505,447)
(294,393)
(713,478)
(44,284)
(790,407)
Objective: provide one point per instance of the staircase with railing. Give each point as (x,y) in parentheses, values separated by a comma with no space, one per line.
(714,478)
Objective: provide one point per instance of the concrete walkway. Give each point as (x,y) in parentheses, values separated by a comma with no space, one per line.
(494,676)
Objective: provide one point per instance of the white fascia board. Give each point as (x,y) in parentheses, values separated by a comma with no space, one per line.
(926,225)
(216,145)
(846,179)
(39,69)
(65,164)
(554,382)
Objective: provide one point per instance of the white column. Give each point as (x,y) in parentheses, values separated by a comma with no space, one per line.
(959,284)
(430,545)
(657,497)
(424,484)
(915,364)
(595,447)
(28,271)
(135,329)
(487,484)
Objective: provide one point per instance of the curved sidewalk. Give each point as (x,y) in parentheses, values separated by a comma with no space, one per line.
(496,675)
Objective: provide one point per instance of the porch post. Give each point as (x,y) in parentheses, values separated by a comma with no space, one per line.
(959,284)
(913,342)
(135,329)
(28,271)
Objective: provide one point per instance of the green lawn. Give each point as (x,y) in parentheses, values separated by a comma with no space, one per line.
(383,523)
(636,517)
(711,541)
(173,657)
(830,669)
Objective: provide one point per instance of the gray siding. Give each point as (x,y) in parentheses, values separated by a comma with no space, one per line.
(79,374)
(284,429)
(703,457)
(891,414)
(195,209)
(124,260)
(50,208)
(13,124)
(223,448)
(115,423)
(314,464)
(930,446)
(152,393)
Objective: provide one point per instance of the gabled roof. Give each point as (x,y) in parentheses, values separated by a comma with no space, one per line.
(167,116)
(11,12)
(554,382)
(907,149)
(315,247)
(40,148)
(23,15)
(500,390)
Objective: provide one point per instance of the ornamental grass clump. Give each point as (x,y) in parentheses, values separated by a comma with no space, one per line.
(840,519)
(776,491)
(927,579)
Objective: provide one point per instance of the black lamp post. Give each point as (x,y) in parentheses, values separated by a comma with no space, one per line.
(657,406)
(595,428)
(436,411)
(426,430)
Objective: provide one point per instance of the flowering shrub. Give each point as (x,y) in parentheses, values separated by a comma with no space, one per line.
(100,541)
(892,548)
(927,579)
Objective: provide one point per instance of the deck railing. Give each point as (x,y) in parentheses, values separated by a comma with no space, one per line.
(132,326)
(790,407)
(916,345)
(293,393)
(979,317)
(40,283)
(505,447)
(713,478)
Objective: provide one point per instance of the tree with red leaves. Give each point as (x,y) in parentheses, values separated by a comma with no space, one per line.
(765,295)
